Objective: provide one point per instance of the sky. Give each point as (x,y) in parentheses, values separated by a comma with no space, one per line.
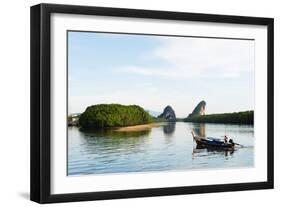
(156,71)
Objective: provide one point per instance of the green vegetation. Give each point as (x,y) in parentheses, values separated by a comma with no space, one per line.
(113,115)
(245,117)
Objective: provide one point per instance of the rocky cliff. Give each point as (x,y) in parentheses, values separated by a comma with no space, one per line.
(198,110)
(168,114)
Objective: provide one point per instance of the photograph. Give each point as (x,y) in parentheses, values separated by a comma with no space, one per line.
(131,103)
(145,103)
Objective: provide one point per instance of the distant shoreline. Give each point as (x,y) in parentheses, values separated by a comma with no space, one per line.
(243,117)
(138,127)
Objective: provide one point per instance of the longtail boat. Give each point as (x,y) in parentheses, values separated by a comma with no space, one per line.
(213,142)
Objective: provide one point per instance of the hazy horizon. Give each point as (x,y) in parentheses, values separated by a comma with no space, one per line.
(156,71)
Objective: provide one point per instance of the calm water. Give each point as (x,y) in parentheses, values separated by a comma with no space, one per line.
(168,147)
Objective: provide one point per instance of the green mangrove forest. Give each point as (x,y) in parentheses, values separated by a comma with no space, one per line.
(245,117)
(113,115)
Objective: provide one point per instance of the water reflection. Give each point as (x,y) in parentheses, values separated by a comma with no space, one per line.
(168,147)
(206,151)
(199,129)
(116,134)
(169,128)
(112,141)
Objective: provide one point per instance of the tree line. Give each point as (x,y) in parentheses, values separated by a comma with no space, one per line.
(245,117)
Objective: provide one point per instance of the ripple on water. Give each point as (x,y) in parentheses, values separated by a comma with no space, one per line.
(99,153)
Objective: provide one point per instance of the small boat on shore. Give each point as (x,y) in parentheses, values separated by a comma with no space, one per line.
(210,142)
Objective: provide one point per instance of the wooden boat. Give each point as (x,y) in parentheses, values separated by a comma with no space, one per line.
(212,142)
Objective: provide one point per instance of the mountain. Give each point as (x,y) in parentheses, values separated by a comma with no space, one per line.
(198,110)
(168,114)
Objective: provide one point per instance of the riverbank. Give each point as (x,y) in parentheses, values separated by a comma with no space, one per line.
(138,127)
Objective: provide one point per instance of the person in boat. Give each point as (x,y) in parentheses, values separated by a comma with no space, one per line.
(228,142)
(225,139)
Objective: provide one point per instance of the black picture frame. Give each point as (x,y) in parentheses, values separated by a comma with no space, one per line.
(41,98)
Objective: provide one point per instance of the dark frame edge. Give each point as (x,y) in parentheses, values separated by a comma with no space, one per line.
(270,103)
(157,192)
(39,104)
(155,14)
(35,25)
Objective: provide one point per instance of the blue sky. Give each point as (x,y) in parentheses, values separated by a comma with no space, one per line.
(155,71)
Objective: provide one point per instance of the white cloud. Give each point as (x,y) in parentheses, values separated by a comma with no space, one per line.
(183,58)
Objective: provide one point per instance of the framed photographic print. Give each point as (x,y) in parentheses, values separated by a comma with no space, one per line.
(133,103)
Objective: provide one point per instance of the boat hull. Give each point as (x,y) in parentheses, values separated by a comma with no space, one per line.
(206,143)
(211,142)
